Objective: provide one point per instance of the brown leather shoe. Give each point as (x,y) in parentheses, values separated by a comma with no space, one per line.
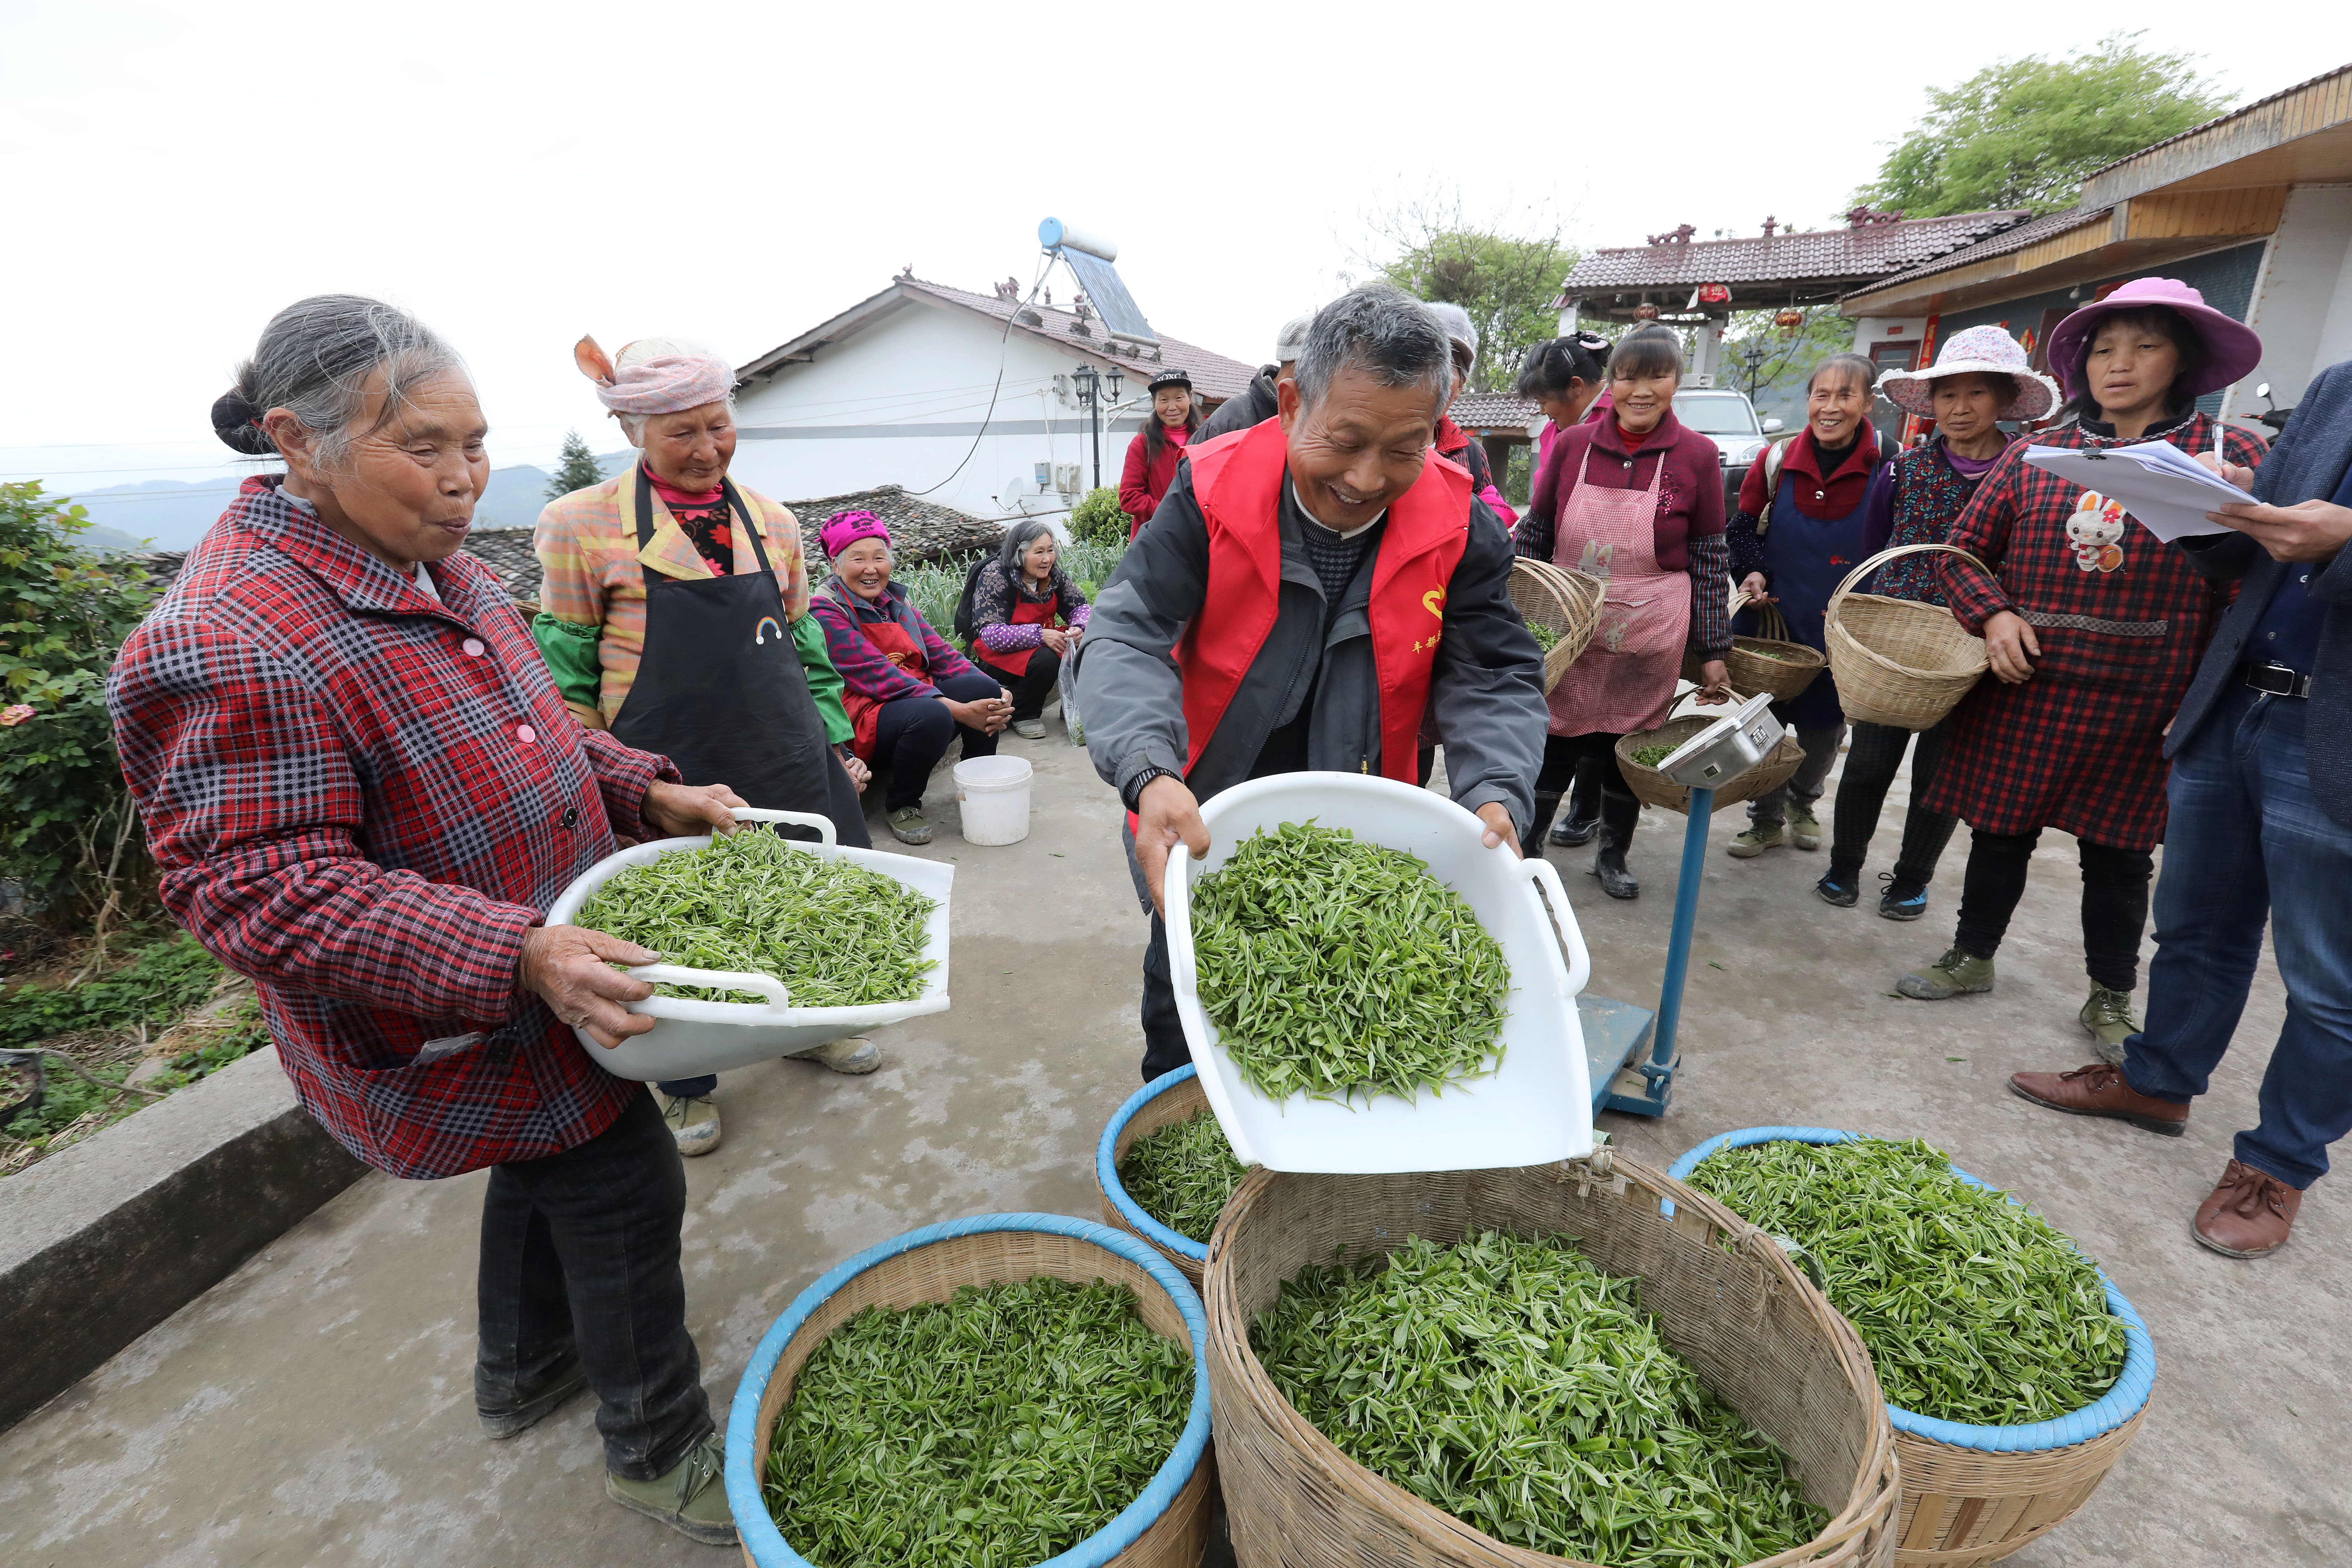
(2100,1090)
(2247,1215)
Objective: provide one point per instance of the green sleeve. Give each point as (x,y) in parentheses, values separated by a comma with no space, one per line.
(824,680)
(570,649)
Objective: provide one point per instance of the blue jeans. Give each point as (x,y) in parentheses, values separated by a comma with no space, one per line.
(2246,839)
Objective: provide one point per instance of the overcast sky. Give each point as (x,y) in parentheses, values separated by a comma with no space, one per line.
(737,172)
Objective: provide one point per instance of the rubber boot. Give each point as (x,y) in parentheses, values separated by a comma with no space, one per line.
(1547,805)
(1583,809)
(1619,812)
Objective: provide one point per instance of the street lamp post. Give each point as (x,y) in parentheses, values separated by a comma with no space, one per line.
(1753,357)
(1088,382)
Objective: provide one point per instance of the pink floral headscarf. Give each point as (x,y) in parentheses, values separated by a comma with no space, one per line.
(668,384)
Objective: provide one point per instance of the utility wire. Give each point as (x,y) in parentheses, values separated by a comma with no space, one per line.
(1004,352)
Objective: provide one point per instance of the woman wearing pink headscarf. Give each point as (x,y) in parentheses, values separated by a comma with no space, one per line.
(674,612)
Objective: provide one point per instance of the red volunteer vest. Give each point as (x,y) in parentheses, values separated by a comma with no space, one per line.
(1237,479)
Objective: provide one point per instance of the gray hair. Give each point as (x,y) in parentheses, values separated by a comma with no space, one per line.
(314,360)
(1289,342)
(1018,538)
(1382,331)
(644,349)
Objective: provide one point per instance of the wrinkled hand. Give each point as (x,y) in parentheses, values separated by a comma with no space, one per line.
(2307,530)
(684,811)
(855,766)
(988,715)
(1500,829)
(1166,812)
(1754,590)
(568,966)
(1714,683)
(1054,639)
(2010,645)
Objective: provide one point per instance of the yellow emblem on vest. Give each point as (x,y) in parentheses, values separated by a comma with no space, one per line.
(1432,600)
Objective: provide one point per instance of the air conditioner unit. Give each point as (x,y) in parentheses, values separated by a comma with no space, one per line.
(1065,477)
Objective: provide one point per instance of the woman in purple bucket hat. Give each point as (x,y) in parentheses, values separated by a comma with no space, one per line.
(2094,627)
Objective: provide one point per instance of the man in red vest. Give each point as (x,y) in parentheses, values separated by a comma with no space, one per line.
(1307,589)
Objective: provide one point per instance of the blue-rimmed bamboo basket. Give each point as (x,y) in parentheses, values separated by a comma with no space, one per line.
(1166,1526)
(1164,1101)
(1973,1495)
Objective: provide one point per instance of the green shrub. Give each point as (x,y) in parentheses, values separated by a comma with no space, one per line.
(161,981)
(68,832)
(1098,520)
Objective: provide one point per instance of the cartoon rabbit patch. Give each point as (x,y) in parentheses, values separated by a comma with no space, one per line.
(2096,531)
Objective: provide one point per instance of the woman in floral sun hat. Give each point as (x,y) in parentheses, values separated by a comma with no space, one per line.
(1979,379)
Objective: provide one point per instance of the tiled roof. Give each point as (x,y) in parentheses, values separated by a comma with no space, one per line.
(1214,375)
(1872,251)
(1494,410)
(921,531)
(2001,244)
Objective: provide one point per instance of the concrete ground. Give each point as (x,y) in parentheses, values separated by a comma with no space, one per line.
(316,1406)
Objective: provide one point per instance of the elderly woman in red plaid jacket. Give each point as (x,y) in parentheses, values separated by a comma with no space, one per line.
(2094,627)
(363,791)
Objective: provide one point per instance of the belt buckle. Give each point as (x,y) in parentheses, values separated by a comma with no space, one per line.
(2277,679)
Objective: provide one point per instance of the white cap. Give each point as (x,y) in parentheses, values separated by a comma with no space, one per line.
(1291,342)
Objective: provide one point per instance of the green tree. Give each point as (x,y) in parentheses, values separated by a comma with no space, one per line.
(1505,282)
(69,830)
(2024,133)
(1782,357)
(576,470)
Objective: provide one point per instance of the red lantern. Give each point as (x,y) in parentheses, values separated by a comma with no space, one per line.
(1645,312)
(1789,321)
(1714,294)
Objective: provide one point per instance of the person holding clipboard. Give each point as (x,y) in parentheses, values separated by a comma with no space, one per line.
(2094,627)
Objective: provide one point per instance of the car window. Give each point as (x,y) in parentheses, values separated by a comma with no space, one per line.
(1716,414)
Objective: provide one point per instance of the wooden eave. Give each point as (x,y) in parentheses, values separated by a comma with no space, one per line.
(2302,136)
(2133,234)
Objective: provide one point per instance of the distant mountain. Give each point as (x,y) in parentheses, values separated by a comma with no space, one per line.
(173,514)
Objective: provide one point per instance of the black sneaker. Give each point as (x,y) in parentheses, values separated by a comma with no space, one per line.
(1904,898)
(1841,889)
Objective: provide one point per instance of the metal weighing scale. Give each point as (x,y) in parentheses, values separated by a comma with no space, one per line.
(1628,1050)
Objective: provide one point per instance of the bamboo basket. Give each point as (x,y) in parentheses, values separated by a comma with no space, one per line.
(1653,788)
(1786,677)
(1973,1495)
(1164,1101)
(1757,1333)
(1898,661)
(1567,601)
(1165,1527)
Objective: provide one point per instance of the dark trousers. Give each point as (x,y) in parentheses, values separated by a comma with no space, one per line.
(1811,779)
(1871,760)
(579,1253)
(1164,1049)
(1040,669)
(2114,901)
(2244,841)
(911,734)
(1570,760)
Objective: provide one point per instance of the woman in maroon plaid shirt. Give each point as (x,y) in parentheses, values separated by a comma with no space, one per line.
(2094,627)
(363,791)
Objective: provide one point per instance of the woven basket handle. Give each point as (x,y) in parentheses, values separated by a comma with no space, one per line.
(1882,557)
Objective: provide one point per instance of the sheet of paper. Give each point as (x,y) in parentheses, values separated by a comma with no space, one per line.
(2167,491)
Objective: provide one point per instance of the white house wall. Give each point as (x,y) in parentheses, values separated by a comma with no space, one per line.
(2301,306)
(901,402)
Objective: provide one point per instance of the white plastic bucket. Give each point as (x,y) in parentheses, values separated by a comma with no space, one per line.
(1536,1107)
(994,795)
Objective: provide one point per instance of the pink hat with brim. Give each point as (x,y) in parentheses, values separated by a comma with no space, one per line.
(2232,349)
(1978,351)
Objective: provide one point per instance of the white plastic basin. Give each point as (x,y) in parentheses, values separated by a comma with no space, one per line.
(1534,1108)
(696,1038)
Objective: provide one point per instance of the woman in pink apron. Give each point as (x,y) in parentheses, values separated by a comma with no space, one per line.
(1636,501)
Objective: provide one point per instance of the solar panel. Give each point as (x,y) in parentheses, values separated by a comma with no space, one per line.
(1108,294)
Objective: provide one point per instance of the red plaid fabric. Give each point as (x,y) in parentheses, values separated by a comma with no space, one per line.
(2080,746)
(363,799)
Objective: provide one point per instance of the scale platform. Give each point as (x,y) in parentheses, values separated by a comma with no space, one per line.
(1617,1040)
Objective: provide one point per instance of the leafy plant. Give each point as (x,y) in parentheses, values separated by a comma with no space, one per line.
(2024,133)
(1097,519)
(935,588)
(1504,281)
(1182,1175)
(1974,1308)
(1515,1386)
(161,981)
(1003,1427)
(68,831)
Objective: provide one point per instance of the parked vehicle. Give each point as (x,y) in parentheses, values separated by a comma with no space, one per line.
(1726,418)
